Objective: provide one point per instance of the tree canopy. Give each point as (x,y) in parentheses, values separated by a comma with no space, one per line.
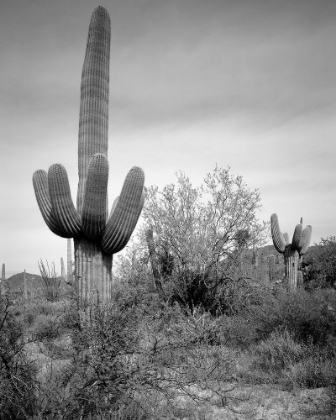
(194,236)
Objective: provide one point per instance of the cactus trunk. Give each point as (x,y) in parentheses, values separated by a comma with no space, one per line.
(291,257)
(271,267)
(93,272)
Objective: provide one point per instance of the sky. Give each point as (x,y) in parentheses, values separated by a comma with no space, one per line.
(245,84)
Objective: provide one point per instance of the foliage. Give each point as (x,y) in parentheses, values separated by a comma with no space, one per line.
(199,234)
(17,373)
(308,317)
(277,352)
(316,370)
(135,362)
(319,264)
(51,284)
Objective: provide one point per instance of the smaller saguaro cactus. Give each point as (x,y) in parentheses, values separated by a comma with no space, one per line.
(293,251)
(63,275)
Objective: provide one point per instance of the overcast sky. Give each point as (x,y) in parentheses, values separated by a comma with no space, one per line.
(248,84)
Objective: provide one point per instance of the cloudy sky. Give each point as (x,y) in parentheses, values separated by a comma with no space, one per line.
(248,84)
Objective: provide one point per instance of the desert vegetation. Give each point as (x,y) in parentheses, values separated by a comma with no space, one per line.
(199,318)
(177,339)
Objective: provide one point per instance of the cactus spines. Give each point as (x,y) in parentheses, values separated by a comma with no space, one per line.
(96,237)
(292,252)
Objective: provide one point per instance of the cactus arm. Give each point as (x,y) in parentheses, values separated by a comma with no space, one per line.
(126,213)
(40,183)
(95,197)
(305,240)
(297,236)
(278,238)
(65,213)
(93,115)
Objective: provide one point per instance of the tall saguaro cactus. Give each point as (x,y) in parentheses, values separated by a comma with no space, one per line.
(96,236)
(292,252)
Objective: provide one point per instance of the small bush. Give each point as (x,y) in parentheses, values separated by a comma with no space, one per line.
(29,319)
(237,331)
(17,373)
(45,328)
(309,317)
(314,371)
(278,352)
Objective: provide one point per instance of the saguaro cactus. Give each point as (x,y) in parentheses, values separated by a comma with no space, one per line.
(96,236)
(292,252)
(63,275)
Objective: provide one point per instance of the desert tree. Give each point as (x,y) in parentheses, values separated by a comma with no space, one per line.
(195,235)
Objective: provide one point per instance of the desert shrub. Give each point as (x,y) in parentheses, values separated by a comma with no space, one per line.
(307,316)
(45,328)
(237,331)
(314,371)
(277,352)
(134,362)
(319,264)
(29,319)
(17,373)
